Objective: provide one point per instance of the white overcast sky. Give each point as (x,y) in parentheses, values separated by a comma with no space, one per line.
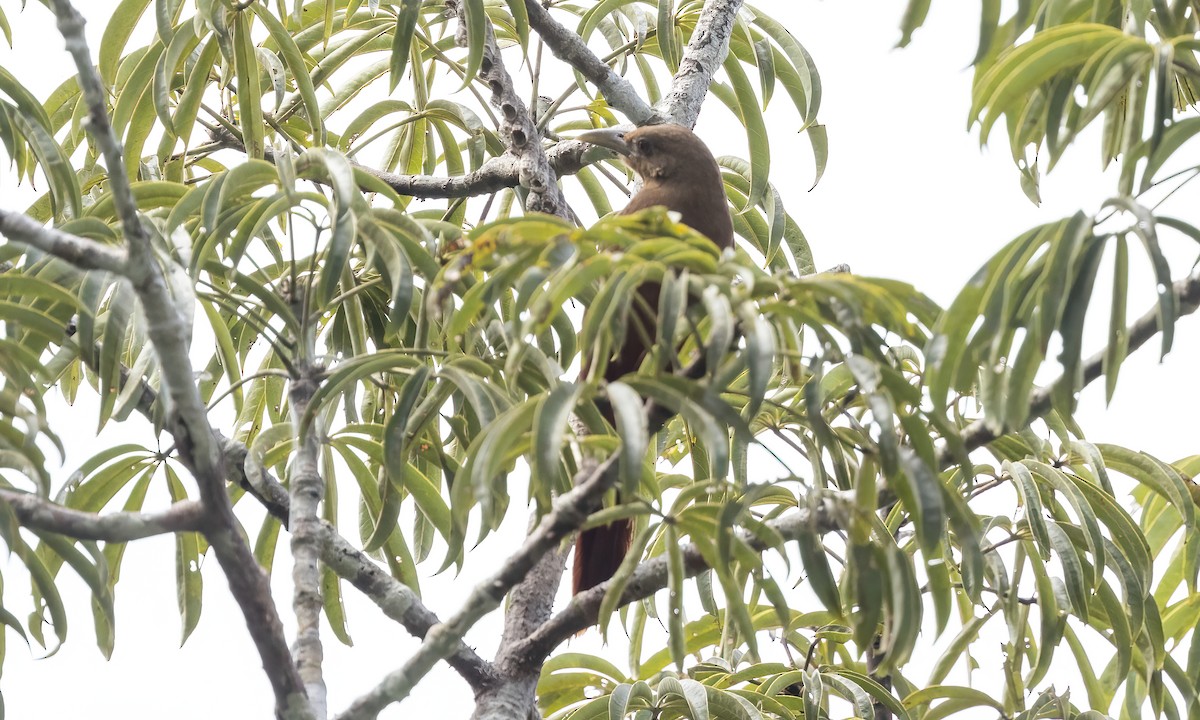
(908,194)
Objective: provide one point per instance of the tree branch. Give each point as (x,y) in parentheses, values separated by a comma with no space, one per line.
(307,491)
(978,434)
(169,332)
(566,157)
(570,512)
(394,598)
(567,46)
(704,54)
(83,253)
(517,127)
(400,603)
(650,577)
(37,513)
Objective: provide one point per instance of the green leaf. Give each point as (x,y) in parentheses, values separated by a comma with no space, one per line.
(249,95)
(931,516)
(914,17)
(395,458)
(476,20)
(406,24)
(960,644)
(1168,306)
(756,131)
(971,696)
(988,23)
(189,582)
(335,611)
(816,564)
(550,424)
(124,18)
(520,17)
(1154,474)
(630,417)
(293,59)
(620,579)
(665,35)
(1020,70)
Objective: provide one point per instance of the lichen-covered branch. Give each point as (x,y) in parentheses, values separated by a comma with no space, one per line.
(566,157)
(304,524)
(569,513)
(517,127)
(37,513)
(704,54)
(170,333)
(83,253)
(567,46)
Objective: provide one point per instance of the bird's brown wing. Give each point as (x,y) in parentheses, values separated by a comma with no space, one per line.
(702,206)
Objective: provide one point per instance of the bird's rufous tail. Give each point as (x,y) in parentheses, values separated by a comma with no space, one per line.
(599,552)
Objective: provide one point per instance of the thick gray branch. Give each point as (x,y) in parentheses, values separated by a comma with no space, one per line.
(517,127)
(566,157)
(83,253)
(170,334)
(704,54)
(567,46)
(307,491)
(529,607)
(37,513)
(570,512)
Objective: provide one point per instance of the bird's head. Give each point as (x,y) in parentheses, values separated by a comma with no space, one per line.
(658,153)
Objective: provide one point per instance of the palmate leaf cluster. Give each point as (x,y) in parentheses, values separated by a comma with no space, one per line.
(824,494)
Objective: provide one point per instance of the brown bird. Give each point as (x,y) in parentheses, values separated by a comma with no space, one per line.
(678,172)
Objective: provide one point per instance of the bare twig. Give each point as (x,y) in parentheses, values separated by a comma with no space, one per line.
(37,513)
(567,46)
(503,171)
(169,332)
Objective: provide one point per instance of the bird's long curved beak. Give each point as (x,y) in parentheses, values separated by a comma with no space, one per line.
(610,138)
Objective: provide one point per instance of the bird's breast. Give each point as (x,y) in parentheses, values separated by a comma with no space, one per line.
(698,207)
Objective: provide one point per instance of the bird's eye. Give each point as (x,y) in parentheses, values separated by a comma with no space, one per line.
(642,146)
